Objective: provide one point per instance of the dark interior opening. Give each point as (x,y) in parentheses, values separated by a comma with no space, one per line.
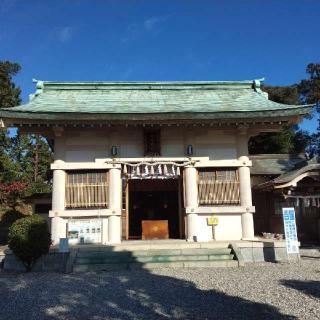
(154,200)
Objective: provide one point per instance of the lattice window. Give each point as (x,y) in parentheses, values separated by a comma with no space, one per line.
(151,138)
(218,187)
(87,189)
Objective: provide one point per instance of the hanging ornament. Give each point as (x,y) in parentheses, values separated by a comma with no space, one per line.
(178,171)
(125,169)
(173,171)
(152,170)
(146,170)
(160,170)
(138,171)
(165,170)
(296,202)
(306,202)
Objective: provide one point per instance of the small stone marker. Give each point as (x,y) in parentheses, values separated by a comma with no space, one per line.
(64,245)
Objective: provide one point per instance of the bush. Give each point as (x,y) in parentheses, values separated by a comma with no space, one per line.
(6,221)
(29,238)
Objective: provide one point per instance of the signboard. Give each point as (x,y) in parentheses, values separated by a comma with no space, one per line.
(84,231)
(290,230)
(213,221)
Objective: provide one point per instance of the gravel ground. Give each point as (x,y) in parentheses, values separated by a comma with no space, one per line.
(265,291)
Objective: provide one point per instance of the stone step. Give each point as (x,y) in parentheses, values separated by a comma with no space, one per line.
(137,266)
(138,253)
(150,245)
(152,258)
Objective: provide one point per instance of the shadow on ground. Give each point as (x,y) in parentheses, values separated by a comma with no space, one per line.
(310,288)
(130,295)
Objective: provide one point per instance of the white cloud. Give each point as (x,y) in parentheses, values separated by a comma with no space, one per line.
(152,26)
(65,34)
(155,23)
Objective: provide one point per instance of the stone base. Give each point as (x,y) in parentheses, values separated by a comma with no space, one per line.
(265,251)
(52,262)
(244,251)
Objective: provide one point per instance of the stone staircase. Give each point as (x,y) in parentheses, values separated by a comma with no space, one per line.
(132,257)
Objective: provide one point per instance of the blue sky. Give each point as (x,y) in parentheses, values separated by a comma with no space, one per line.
(160,40)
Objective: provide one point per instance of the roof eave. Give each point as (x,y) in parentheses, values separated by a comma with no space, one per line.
(298,111)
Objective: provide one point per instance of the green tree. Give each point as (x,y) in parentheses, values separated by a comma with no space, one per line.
(9,97)
(309,90)
(9,93)
(289,139)
(23,158)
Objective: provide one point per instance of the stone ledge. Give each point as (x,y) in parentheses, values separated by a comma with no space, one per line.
(83,213)
(220,209)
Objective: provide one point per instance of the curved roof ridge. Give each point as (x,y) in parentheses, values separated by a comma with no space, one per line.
(152,82)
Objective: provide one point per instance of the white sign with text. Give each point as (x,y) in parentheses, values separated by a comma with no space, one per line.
(290,230)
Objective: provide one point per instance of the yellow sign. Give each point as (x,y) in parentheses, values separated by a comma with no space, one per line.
(213,221)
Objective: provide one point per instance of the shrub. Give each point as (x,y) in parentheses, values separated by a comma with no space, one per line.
(6,220)
(29,238)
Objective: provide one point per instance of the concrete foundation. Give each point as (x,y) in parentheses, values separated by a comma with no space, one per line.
(245,252)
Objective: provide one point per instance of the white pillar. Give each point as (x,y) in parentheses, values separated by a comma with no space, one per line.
(58,225)
(115,198)
(191,202)
(114,229)
(246,201)
(245,185)
(104,234)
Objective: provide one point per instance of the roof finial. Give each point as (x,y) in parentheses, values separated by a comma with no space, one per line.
(39,88)
(256,85)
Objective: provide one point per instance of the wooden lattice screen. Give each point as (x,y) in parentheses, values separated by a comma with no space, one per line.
(219,187)
(87,189)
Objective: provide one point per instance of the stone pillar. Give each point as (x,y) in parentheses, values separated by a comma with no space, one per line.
(191,202)
(104,234)
(58,225)
(115,199)
(245,186)
(246,200)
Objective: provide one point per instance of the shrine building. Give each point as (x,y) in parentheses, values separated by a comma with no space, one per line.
(151,160)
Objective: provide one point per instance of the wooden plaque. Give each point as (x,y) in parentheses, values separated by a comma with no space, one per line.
(155,229)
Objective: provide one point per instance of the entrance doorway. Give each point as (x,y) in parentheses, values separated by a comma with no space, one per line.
(155,200)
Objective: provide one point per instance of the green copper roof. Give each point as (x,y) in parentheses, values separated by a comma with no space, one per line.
(311,165)
(275,164)
(286,167)
(205,99)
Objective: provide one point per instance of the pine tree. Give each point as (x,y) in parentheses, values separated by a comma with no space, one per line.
(290,139)
(310,93)
(23,158)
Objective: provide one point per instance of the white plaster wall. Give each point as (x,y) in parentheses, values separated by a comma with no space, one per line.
(172,142)
(85,155)
(88,144)
(229,227)
(216,145)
